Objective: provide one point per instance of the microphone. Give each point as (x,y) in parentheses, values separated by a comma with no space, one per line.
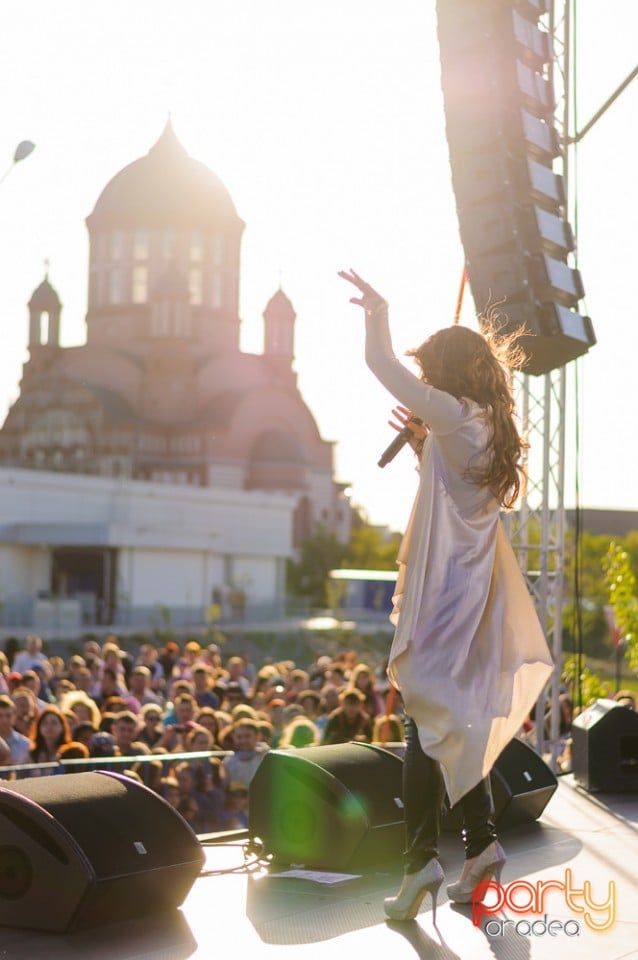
(403,437)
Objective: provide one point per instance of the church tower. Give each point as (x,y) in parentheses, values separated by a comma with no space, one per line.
(279,330)
(44,317)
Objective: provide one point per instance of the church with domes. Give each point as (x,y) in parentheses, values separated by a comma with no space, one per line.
(161,392)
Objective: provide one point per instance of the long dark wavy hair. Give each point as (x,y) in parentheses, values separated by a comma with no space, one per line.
(477,366)
(38,743)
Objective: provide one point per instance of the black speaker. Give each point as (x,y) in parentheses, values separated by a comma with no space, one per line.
(605,748)
(87,848)
(332,807)
(522,786)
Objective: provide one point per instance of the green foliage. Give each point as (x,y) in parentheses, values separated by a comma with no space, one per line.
(308,576)
(596,641)
(621,584)
(592,687)
(369,549)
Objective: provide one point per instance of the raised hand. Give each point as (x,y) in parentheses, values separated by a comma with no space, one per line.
(405,419)
(370,299)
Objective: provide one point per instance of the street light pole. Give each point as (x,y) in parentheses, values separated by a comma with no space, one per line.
(24,148)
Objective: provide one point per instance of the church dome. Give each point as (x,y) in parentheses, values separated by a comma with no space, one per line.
(166,188)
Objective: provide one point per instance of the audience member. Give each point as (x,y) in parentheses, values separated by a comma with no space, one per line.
(110,684)
(236,806)
(81,706)
(19,744)
(203,687)
(236,669)
(83,732)
(49,732)
(626,698)
(168,658)
(242,765)
(26,709)
(300,732)
(103,745)
(310,702)
(349,721)
(73,750)
(125,729)
(148,657)
(277,718)
(140,687)
(233,693)
(5,755)
(152,729)
(31,655)
(362,679)
(4,672)
(211,720)
(199,783)
(388,728)
(297,681)
(31,681)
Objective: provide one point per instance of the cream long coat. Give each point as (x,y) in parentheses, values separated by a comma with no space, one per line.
(468,654)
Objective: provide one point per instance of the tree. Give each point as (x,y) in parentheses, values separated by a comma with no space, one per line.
(369,549)
(592,595)
(577,676)
(621,584)
(308,576)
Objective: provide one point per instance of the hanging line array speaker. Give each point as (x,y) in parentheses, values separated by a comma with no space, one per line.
(81,849)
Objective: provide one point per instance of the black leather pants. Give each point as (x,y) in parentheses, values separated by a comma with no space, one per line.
(423,796)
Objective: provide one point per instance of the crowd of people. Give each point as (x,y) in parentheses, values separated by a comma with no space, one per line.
(189,722)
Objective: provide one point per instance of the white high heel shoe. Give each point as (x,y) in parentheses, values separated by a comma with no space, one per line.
(488,864)
(414,887)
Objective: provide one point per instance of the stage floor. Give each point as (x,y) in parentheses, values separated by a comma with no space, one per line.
(253,916)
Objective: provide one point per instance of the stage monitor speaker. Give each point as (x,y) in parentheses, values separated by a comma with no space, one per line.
(87,848)
(332,807)
(605,748)
(522,786)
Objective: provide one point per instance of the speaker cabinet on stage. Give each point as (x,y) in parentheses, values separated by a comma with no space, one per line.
(522,786)
(86,848)
(605,748)
(332,807)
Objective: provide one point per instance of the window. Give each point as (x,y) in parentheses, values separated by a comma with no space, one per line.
(115,285)
(216,289)
(218,249)
(117,244)
(195,286)
(140,284)
(169,244)
(140,245)
(196,247)
(44,327)
(161,320)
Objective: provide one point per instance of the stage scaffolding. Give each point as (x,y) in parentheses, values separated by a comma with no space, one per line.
(538,529)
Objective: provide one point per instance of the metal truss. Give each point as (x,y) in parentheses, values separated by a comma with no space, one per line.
(537,529)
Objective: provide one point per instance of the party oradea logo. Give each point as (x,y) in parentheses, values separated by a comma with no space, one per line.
(534,900)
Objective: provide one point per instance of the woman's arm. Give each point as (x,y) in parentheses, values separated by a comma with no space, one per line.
(441,411)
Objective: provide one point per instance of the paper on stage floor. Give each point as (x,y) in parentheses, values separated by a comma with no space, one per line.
(317,876)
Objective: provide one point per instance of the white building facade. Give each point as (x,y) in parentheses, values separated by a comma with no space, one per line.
(79,550)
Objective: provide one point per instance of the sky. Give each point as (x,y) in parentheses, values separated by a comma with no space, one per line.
(325,122)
